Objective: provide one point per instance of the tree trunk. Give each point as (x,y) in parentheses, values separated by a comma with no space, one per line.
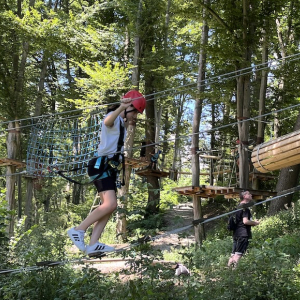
(137,49)
(28,204)
(13,145)
(212,145)
(19,183)
(243,99)
(123,192)
(76,195)
(199,230)
(288,177)
(165,137)
(153,183)
(176,158)
(37,112)
(262,99)
(262,92)
(41,87)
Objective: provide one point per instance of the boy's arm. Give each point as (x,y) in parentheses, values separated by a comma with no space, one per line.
(246,221)
(110,119)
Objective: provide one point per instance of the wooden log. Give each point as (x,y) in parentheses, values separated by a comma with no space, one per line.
(278,157)
(272,152)
(277,154)
(210,156)
(11,162)
(283,140)
(292,161)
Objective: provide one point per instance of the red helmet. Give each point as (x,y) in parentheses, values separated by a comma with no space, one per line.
(139,101)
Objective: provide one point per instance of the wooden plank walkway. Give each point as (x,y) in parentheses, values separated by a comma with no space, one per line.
(208,191)
(152,172)
(11,162)
(136,163)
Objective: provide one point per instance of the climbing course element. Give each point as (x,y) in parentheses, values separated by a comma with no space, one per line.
(62,143)
(278,153)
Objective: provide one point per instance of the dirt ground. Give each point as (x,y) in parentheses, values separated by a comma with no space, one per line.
(178,217)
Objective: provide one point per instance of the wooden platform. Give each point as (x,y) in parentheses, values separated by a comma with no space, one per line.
(210,156)
(151,172)
(11,162)
(207,174)
(208,191)
(262,176)
(136,163)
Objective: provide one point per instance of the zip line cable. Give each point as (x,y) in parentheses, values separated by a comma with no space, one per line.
(148,238)
(237,73)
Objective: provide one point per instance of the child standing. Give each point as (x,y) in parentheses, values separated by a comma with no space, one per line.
(131,104)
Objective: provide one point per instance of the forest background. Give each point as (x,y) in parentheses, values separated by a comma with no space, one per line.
(213,73)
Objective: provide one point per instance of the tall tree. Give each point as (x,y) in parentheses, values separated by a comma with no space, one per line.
(123,192)
(199,230)
(13,92)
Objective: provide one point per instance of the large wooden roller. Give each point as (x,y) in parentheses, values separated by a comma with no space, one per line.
(277,154)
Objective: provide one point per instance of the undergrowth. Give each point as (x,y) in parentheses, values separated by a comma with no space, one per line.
(269,270)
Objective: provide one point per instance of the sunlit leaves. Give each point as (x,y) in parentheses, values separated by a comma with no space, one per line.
(101,79)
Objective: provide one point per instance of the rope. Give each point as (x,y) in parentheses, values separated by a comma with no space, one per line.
(202,132)
(258,160)
(209,81)
(147,238)
(62,144)
(65,164)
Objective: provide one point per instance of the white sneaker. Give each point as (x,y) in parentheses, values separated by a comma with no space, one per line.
(77,237)
(98,249)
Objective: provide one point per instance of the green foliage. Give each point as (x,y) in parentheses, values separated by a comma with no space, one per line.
(3,225)
(101,79)
(88,48)
(269,270)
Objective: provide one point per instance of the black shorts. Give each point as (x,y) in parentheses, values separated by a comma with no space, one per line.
(240,245)
(106,184)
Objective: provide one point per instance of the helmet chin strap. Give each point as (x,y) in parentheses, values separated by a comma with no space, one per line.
(126,112)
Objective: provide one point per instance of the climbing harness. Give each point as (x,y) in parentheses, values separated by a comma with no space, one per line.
(103,166)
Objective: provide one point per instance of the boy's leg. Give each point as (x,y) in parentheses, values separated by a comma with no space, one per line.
(108,205)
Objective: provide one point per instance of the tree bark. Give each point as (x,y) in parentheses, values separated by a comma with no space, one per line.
(199,230)
(243,99)
(262,98)
(153,183)
(123,192)
(176,158)
(13,145)
(28,203)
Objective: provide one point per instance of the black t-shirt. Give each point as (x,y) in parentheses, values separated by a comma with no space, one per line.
(243,230)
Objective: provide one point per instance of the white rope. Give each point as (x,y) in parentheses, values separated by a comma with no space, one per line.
(211,80)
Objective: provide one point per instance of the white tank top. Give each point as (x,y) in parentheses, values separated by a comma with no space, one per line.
(109,137)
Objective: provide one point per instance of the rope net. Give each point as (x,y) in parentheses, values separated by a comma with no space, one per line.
(62,144)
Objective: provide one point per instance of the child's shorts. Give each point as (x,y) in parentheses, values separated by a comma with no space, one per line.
(106,184)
